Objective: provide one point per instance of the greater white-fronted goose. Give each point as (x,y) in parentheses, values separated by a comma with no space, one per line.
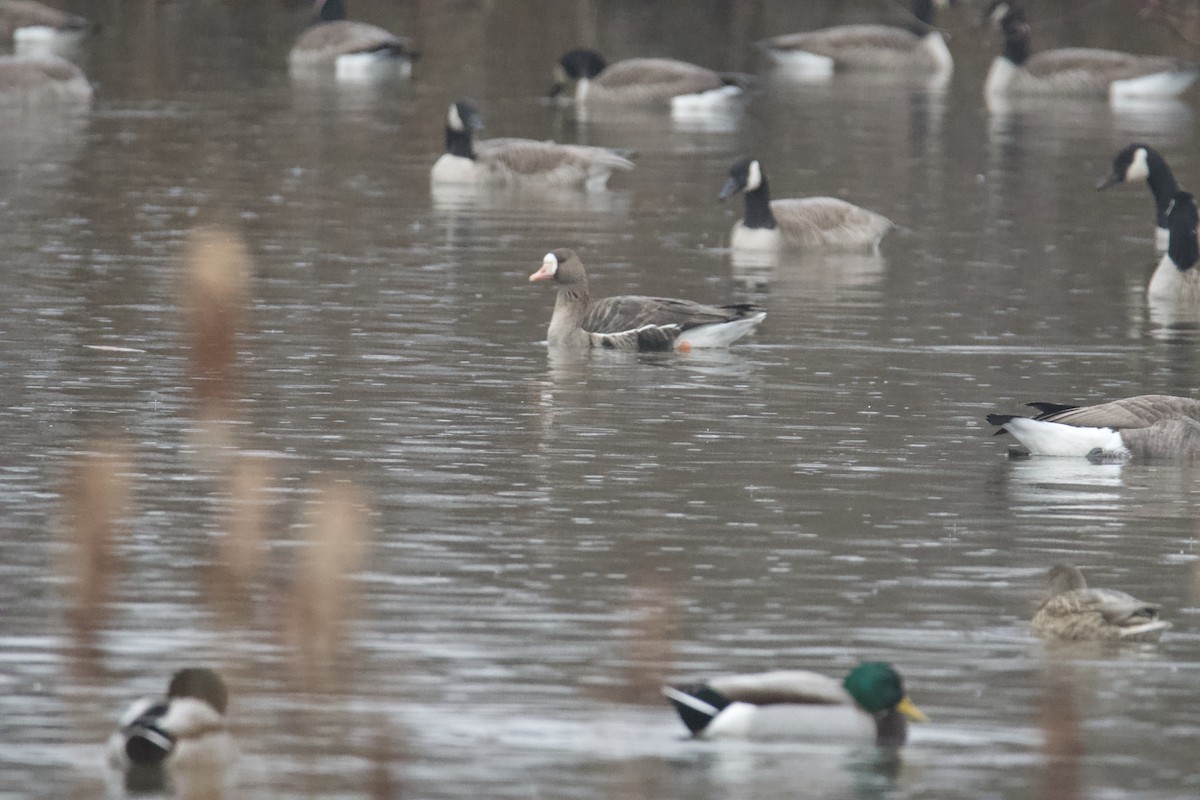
(633,322)
(44,80)
(354,49)
(918,48)
(1073,612)
(28,21)
(524,162)
(687,88)
(178,738)
(868,706)
(812,222)
(1076,71)
(1177,278)
(1145,426)
(1137,162)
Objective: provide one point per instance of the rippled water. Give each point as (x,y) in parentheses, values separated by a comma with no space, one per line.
(552,533)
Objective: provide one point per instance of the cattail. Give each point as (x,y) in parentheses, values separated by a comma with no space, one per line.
(216,285)
(242,548)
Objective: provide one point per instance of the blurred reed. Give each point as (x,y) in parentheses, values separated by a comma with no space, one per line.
(1062,741)
(216,285)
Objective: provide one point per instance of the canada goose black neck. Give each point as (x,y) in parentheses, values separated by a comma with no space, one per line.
(332,10)
(758,207)
(922,11)
(459,143)
(1162,183)
(1184,249)
(1016,40)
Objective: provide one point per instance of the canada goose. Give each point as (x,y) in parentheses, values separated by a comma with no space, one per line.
(811,222)
(158,739)
(518,161)
(25,21)
(1146,426)
(916,48)
(356,49)
(1076,70)
(1177,279)
(869,705)
(1073,612)
(633,322)
(687,88)
(30,80)
(1136,162)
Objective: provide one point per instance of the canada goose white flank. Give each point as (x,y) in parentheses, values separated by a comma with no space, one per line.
(687,88)
(524,162)
(1076,71)
(811,222)
(1177,278)
(1137,162)
(633,322)
(177,738)
(354,49)
(868,706)
(42,80)
(1146,426)
(918,48)
(31,22)
(1073,612)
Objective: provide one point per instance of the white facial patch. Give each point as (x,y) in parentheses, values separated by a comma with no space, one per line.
(453,119)
(753,176)
(1138,169)
(550,264)
(998,13)
(560,74)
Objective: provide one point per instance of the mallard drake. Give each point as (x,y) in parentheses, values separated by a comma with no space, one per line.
(633,322)
(917,48)
(687,88)
(178,737)
(42,80)
(1137,162)
(1146,426)
(28,21)
(1177,278)
(526,162)
(1076,71)
(868,705)
(355,49)
(1073,612)
(808,223)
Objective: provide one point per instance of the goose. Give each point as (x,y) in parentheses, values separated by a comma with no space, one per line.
(1073,612)
(1146,426)
(518,161)
(180,736)
(39,80)
(1177,279)
(1137,162)
(1076,71)
(28,21)
(633,322)
(811,222)
(356,49)
(869,705)
(880,48)
(687,88)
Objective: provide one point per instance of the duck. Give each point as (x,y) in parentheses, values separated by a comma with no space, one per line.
(1136,162)
(1176,279)
(1076,71)
(42,80)
(917,48)
(868,706)
(355,49)
(179,737)
(28,21)
(808,223)
(1073,612)
(633,322)
(686,88)
(1155,426)
(519,161)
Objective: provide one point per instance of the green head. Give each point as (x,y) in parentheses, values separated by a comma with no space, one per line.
(877,688)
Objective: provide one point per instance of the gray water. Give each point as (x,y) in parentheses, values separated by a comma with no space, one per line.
(550,534)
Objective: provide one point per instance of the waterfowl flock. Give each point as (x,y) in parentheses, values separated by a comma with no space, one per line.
(159,737)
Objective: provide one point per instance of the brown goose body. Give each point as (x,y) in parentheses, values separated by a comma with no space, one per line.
(1074,612)
(42,81)
(646,82)
(634,322)
(325,42)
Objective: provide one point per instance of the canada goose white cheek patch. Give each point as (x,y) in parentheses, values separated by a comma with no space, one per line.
(1139,168)
(753,177)
(453,119)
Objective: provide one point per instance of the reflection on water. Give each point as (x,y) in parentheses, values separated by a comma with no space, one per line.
(805,274)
